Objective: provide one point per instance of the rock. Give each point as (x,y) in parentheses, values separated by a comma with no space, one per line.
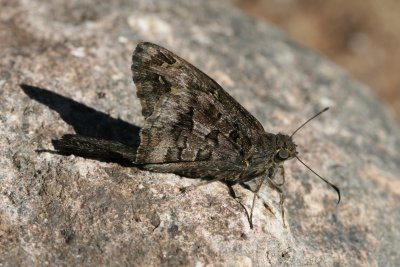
(74,58)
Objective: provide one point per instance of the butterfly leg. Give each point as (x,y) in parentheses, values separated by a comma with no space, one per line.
(254,201)
(232,192)
(282,198)
(283,176)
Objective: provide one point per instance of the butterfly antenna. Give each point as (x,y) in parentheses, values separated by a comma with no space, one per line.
(322,178)
(313,117)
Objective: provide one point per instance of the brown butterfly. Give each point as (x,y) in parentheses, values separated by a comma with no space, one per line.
(194,128)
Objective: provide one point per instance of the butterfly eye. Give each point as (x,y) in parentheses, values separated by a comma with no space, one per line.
(283,154)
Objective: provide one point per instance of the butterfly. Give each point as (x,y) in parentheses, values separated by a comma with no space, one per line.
(195,129)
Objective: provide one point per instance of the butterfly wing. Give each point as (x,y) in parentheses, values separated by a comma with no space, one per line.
(192,126)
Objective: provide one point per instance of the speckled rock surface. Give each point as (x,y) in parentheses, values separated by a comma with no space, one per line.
(74,59)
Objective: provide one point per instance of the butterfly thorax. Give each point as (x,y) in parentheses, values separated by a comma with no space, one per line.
(269,153)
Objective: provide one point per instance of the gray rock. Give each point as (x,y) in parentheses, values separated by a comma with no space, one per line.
(65,211)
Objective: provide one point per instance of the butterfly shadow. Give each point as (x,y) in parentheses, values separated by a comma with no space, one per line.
(98,135)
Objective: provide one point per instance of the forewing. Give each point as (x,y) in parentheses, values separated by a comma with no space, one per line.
(188,116)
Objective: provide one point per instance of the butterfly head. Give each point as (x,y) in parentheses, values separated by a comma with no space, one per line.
(285,148)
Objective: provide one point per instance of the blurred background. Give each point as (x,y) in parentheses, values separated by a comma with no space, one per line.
(363,36)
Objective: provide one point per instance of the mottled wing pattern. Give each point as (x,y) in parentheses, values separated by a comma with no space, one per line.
(192,126)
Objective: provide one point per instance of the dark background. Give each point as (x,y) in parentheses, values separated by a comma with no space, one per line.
(363,36)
